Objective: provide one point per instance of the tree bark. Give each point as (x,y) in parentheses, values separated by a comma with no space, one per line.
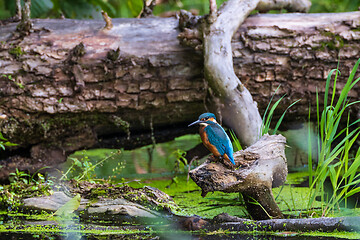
(70,85)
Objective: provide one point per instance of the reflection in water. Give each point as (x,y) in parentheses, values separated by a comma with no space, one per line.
(74,225)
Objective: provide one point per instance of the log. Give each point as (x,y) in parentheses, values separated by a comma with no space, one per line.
(323,224)
(71,84)
(258,168)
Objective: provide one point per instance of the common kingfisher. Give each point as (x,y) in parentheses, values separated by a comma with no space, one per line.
(214,137)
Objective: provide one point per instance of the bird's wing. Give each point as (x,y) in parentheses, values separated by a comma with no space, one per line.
(220,140)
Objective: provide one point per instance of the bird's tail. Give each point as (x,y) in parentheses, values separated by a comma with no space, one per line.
(229,158)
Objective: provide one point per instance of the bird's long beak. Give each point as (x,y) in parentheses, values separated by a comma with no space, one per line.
(196,122)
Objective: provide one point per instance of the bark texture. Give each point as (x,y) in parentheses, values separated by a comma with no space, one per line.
(297,53)
(70,84)
(259,168)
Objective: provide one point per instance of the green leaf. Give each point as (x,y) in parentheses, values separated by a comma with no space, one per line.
(333,177)
(107,7)
(40,8)
(2,137)
(352,192)
(135,6)
(9,144)
(77,162)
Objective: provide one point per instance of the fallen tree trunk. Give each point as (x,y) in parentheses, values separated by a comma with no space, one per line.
(70,84)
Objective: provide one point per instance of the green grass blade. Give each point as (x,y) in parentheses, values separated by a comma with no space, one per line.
(282,116)
(235,140)
(353,168)
(264,121)
(270,115)
(327,86)
(310,164)
(352,192)
(347,86)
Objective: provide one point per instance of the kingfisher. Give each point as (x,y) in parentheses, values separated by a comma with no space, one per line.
(214,137)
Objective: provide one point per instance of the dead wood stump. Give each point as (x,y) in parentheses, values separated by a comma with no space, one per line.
(258,168)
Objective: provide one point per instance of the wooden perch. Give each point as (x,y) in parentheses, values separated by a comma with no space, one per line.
(258,168)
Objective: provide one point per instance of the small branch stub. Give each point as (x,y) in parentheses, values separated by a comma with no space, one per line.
(213,9)
(107,20)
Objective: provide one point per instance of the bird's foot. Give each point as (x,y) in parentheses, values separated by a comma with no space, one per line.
(228,164)
(212,158)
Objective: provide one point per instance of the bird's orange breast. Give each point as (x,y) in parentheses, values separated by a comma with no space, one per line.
(205,140)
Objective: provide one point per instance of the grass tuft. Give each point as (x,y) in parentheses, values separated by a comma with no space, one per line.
(334,160)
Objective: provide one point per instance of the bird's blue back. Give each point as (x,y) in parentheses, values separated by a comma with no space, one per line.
(217,137)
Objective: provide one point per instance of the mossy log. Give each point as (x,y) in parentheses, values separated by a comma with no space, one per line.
(258,168)
(294,226)
(71,84)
